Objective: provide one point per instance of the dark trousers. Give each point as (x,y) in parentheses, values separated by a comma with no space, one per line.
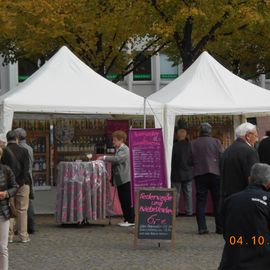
(204,183)
(31,217)
(124,195)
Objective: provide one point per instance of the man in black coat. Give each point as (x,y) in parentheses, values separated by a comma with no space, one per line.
(16,157)
(181,173)
(264,149)
(237,160)
(246,224)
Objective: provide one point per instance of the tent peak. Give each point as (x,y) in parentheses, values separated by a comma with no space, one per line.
(64,49)
(205,53)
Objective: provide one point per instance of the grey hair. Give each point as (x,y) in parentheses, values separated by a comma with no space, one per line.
(205,128)
(244,129)
(260,174)
(21,133)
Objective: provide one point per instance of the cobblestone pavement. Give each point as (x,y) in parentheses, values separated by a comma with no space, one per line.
(111,247)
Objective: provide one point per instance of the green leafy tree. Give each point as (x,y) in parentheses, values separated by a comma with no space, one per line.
(228,29)
(247,51)
(105,34)
(112,35)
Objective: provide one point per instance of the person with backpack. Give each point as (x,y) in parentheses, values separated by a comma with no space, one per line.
(8,188)
(16,157)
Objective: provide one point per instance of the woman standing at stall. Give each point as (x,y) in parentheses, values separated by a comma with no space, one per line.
(121,175)
(8,188)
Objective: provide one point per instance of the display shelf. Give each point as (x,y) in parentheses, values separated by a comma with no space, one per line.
(73,152)
(42,188)
(39,141)
(80,137)
(38,137)
(222,127)
(89,132)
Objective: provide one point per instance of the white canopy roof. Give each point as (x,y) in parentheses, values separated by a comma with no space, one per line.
(207,87)
(66,85)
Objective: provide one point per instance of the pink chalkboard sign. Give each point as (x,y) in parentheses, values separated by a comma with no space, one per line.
(147,159)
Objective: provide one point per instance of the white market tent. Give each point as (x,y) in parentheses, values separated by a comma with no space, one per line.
(65,84)
(207,87)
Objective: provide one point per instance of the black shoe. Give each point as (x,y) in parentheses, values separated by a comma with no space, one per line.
(203,231)
(31,231)
(219,231)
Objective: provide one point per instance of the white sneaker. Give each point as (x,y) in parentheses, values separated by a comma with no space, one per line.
(25,241)
(126,224)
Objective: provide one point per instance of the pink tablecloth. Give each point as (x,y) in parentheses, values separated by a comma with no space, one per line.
(82,188)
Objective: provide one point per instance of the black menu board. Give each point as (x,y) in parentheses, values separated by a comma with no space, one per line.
(155,214)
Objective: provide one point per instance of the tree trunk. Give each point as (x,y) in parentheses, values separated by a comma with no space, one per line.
(184,45)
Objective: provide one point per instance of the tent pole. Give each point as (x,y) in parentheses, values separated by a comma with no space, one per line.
(144,113)
(243,118)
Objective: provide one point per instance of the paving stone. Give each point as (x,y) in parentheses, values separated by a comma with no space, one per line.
(97,246)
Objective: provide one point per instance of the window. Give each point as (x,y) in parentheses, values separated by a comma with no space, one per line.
(267,76)
(26,69)
(167,70)
(111,76)
(143,72)
(117,67)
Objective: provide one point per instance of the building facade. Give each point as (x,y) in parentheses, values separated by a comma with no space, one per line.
(148,78)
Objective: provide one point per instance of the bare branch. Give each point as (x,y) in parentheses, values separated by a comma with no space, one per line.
(240,28)
(201,44)
(123,74)
(161,13)
(116,57)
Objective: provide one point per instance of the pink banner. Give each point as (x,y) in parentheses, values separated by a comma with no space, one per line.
(147,159)
(113,125)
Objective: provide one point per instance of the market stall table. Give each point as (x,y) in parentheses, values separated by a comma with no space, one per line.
(81,191)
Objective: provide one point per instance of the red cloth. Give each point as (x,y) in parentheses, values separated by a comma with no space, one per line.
(116,206)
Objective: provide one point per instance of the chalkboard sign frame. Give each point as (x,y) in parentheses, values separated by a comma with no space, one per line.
(137,216)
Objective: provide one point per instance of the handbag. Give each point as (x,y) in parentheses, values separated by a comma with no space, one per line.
(11,205)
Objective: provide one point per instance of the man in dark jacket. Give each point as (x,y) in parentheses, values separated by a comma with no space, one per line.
(264,149)
(181,174)
(246,224)
(16,157)
(30,213)
(238,159)
(206,152)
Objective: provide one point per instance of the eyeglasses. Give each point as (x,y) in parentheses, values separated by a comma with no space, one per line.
(255,134)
